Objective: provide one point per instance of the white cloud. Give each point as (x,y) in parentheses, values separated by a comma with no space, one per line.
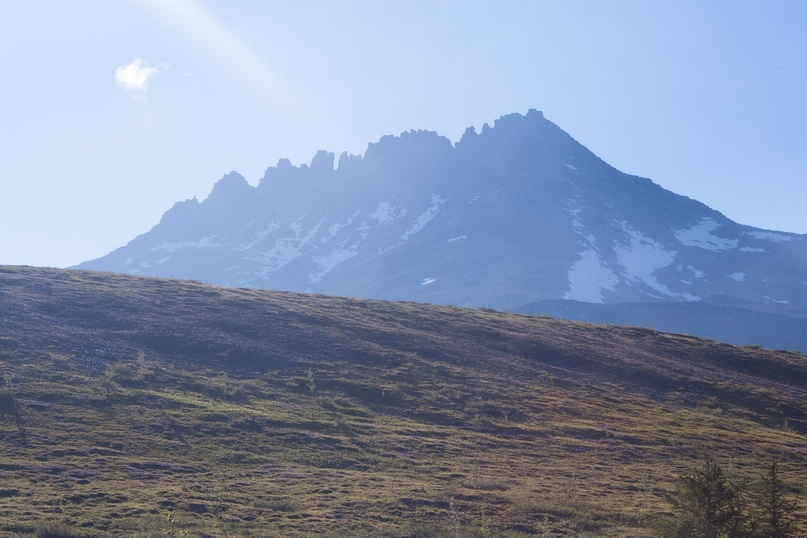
(134,77)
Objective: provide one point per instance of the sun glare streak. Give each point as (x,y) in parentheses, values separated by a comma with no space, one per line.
(230,50)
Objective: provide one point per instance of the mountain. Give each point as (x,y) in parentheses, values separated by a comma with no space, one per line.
(513,215)
(725,323)
(137,407)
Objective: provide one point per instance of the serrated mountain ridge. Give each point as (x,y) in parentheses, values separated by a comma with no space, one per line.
(512,215)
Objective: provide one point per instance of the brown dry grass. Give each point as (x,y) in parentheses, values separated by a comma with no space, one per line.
(257,413)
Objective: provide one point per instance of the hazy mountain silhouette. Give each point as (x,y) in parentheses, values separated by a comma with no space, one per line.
(516,214)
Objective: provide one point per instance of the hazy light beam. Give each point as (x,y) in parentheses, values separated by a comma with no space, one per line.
(231,50)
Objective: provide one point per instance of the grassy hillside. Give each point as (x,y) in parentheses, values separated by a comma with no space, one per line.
(148,407)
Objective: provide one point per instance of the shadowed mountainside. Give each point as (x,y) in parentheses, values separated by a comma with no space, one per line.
(727,323)
(516,214)
(133,406)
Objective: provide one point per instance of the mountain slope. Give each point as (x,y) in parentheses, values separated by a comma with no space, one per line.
(136,407)
(515,214)
(727,323)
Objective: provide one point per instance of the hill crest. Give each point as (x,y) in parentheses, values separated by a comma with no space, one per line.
(263,413)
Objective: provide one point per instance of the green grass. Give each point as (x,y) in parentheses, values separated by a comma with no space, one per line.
(254,413)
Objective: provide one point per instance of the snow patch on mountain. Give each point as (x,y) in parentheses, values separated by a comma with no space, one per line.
(697,272)
(770,236)
(204,243)
(458,238)
(152,263)
(588,277)
(738,276)
(701,236)
(575,213)
(329,261)
(260,236)
(577,223)
(286,249)
(334,229)
(642,257)
(386,213)
(425,217)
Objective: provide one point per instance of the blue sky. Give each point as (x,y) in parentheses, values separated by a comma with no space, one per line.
(112,111)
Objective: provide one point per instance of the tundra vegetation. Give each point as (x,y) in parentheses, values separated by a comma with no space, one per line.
(150,407)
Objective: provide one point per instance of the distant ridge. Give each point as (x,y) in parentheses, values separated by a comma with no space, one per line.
(513,215)
(733,324)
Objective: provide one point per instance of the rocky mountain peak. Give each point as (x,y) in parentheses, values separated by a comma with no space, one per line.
(518,213)
(229,189)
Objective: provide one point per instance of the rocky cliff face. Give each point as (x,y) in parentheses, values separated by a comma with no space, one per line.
(512,215)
